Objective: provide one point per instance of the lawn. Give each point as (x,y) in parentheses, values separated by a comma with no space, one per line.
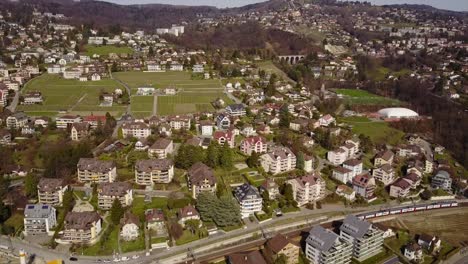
(105,50)
(69,95)
(269,67)
(188,237)
(380,73)
(379,132)
(139,205)
(361,97)
(193,96)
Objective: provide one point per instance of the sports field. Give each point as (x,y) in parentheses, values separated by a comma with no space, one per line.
(105,50)
(193,96)
(72,96)
(361,97)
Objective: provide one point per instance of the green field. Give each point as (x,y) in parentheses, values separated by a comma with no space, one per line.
(105,50)
(193,95)
(380,73)
(379,132)
(361,97)
(269,67)
(69,95)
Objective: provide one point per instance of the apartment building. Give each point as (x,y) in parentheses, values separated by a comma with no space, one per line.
(50,191)
(201,179)
(256,144)
(400,188)
(354,165)
(63,122)
(149,172)
(342,174)
(325,247)
(249,199)
(281,245)
(136,130)
(16,120)
(278,160)
(161,148)
(236,110)
(337,156)
(384,174)
(39,219)
(109,191)
(366,239)
(383,157)
(82,227)
(94,170)
(179,122)
(307,189)
(442,180)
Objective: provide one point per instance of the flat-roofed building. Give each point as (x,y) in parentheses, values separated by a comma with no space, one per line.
(39,219)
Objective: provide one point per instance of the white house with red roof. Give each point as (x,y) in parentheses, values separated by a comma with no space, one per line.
(223,137)
(254,144)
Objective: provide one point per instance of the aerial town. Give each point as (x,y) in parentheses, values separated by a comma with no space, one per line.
(283,132)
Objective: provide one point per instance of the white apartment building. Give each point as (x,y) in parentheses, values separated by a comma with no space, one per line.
(307,189)
(278,160)
(149,172)
(249,199)
(136,130)
(39,219)
(325,247)
(94,170)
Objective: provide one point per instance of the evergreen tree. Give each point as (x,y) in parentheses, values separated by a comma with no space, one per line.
(226,159)
(116,212)
(213,155)
(254,160)
(30,185)
(300,162)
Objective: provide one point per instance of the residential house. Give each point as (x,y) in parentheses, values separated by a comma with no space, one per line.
(201,179)
(307,189)
(82,227)
(413,252)
(5,137)
(431,243)
(442,180)
(3,98)
(324,247)
(108,192)
(346,192)
(251,257)
(198,68)
(155,220)
(354,165)
(299,124)
(17,120)
(94,170)
(223,122)
(249,199)
(308,163)
(51,190)
(385,174)
(256,144)
(400,188)
(414,179)
(236,110)
(149,172)
(79,131)
(187,213)
(409,151)
(342,174)
(278,160)
(326,120)
(206,128)
(130,229)
(141,145)
(95,120)
(225,137)
(161,149)
(364,185)
(367,240)
(39,219)
(281,245)
(383,157)
(136,130)
(270,186)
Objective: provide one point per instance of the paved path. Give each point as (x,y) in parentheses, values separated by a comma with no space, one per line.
(155,104)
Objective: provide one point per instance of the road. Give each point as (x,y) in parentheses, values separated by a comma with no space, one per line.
(155,104)
(14,103)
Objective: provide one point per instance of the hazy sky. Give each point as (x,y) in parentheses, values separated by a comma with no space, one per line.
(457,5)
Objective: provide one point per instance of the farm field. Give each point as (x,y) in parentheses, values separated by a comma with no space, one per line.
(269,67)
(72,96)
(105,50)
(379,132)
(361,97)
(194,95)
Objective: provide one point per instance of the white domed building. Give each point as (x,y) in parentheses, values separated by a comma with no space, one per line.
(397,112)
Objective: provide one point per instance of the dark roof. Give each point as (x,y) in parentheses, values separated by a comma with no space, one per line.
(354,226)
(153,164)
(114,188)
(321,238)
(50,184)
(81,220)
(130,218)
(252,257)
(187,211)
(200,172)
(402,183)
(278,242)
(353,162)
(161,143)
(95,165)
(244,191)
(386,155)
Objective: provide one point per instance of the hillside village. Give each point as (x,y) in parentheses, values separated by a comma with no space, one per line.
(117,141)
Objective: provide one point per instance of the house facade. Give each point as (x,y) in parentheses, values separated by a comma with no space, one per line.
(50,191)
(110,191)
(94,170)
(325,247)
(278,160)
(39,219)
(161,148)
(201,179)
(249,199)
(307,189)
(149,172)
(256,144)
(81,227)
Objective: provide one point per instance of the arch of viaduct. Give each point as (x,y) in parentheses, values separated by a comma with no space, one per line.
(291,59)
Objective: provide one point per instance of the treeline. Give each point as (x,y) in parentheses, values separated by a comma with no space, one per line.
(247,36)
